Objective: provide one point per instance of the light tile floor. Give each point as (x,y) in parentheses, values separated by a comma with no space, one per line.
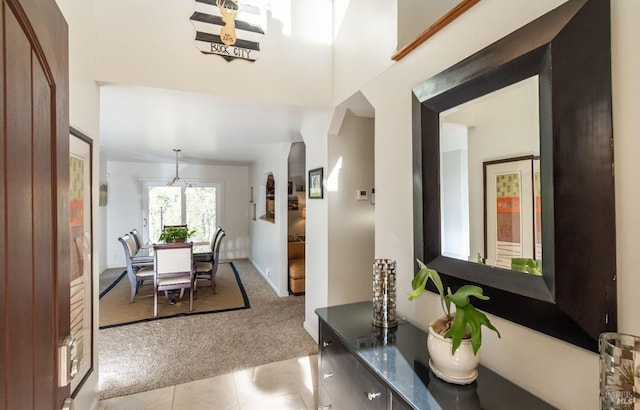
(289,384)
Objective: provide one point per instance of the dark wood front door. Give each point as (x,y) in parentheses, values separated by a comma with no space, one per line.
(34,203)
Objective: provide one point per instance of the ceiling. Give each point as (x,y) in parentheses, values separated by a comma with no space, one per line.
(142,124)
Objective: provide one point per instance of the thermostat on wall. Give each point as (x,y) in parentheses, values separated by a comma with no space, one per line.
(362,195)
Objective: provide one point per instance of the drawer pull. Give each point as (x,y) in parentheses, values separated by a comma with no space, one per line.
(372,396)
(326,344)
(327,375)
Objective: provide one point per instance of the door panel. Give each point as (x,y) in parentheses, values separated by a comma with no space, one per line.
(34,172)
(201,212)
(42,228)
(19,211)
(165,208)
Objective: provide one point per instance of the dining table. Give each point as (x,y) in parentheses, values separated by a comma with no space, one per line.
(144,257)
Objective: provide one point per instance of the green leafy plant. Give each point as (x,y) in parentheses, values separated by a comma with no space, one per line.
(527,265)
(175,234)
(466,321)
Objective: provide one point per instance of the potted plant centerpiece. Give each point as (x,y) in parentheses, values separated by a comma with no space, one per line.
(172,234)
(455,338)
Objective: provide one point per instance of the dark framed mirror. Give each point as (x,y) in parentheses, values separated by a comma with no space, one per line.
(569,50)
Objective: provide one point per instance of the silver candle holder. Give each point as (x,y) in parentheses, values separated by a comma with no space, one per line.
(619,371)
(384,293)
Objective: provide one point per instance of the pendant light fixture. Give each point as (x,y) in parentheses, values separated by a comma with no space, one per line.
(177,180)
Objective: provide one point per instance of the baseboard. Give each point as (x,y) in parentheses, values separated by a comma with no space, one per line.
(266,278)
(312,332)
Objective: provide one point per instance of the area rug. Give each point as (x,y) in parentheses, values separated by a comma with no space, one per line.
(196,347)
(115,309)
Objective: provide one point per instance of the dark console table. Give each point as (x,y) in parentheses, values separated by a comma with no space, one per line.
(362,366)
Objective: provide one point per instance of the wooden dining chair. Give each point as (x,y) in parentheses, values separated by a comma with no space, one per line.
(214,238)
(208,257)
(208,270)
(173,270)
(137,274)
(137,237)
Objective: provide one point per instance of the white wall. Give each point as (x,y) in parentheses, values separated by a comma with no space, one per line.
(626,99)
(268,250)
(454,192)
(415,16)
(124,206)
(314,133)
(524,356)
(351,222)
(364,35)
(151,43)
(84,115)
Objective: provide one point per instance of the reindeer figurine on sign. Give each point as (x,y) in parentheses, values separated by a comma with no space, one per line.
(228,31)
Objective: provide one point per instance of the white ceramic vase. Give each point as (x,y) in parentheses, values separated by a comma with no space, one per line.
(459,368)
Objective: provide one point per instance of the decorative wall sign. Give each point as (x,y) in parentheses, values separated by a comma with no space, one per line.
(228,28)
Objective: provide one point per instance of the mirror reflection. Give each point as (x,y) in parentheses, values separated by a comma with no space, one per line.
(490,179)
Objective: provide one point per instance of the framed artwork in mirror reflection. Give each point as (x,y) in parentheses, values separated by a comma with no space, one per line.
(512,211)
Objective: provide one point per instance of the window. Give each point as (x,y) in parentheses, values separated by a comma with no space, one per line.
(196,207)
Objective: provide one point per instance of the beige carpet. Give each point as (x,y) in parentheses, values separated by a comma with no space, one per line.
(159,353)
(115,309)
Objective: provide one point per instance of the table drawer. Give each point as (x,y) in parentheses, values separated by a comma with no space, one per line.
(369,391)
(345,383)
